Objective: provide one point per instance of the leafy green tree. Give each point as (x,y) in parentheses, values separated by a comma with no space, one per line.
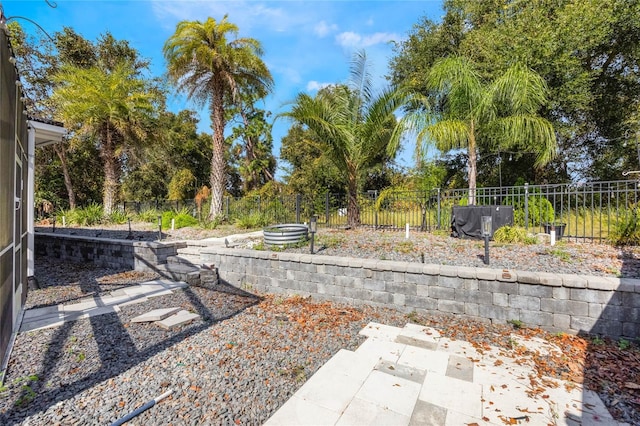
(212,65)
(112,107)
(309,172)
(586,51)
(354,126)
(252,144)
(181,184)
(175,145)
(468,113)
(39,61)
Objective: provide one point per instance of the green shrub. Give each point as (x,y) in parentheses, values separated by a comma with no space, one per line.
(149,215)
(540,210)
(210,223)
(627,232)
(250,221)
(512,234)
(118,217)
(181,218)
(66,216)
(93,214)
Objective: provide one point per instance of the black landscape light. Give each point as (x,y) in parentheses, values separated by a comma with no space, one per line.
(159,228)
(486,233)
(313,228)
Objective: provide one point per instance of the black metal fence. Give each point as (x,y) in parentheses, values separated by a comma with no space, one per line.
(584,211)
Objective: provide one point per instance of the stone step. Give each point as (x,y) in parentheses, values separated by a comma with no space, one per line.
(185,259)
(155,315)
(179,272)
(190,251)
(176,320)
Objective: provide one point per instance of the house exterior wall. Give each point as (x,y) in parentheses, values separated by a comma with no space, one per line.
(13,190)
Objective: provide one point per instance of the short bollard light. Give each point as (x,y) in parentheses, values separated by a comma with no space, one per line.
(486,233)
(159,228)
(313,228)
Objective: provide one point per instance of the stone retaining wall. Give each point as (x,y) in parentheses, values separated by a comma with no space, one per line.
(137,255)
(557,302)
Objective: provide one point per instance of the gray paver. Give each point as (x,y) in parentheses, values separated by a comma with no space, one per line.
(365,413)
(425,413)
(155,315)
(181,318)
(300,412)
(404,371)
(393,393)
(456,390)
(43,313)
(460,368)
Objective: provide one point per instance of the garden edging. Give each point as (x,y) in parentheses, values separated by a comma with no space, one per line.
(557,302)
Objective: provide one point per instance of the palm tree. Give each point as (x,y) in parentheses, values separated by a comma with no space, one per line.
(213,68)
(499,115)
(357,129)
(112,107)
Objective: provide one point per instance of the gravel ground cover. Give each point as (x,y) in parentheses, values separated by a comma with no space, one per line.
(249,353)
(236,365)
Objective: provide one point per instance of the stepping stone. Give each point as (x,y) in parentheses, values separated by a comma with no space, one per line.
(155,315)
(181,318)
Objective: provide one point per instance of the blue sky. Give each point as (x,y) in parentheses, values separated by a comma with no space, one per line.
(306,44)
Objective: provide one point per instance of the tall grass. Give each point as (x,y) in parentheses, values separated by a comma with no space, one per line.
(181,219)
(93,214)
(149,215)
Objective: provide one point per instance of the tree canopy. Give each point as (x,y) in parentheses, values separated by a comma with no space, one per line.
(464,112)
(587,52)
(354,126)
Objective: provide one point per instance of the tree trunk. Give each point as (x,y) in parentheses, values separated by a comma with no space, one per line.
(250,179)
(473,165)
(218,165)
(353,208)
(110,190)
(61,151)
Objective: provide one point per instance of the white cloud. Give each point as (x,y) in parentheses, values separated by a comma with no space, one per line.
(322,28)
(354,40)
(248,15)
(314,86)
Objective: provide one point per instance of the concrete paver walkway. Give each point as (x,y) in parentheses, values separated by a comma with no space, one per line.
(52,316)
(413,376)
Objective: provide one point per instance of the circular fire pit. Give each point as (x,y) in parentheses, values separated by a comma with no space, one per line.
(283,234)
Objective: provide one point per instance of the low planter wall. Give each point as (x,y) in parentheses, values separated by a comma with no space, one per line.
(556,302)
(136,255)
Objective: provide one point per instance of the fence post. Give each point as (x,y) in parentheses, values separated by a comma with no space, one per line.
(326,209)
(526,206)
(439,224)
(375,210)
(298,201)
